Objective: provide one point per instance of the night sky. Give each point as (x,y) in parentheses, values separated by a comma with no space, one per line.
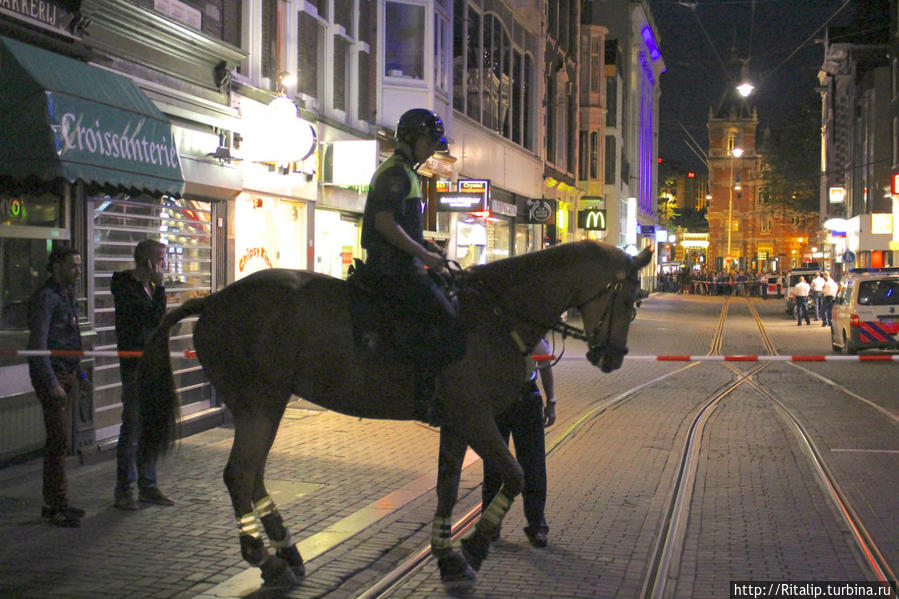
(765,31)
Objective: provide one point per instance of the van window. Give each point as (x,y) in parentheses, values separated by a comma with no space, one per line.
(845,293)
(878,293)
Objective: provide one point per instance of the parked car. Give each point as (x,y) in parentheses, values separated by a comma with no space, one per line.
(866,311)
(792,279)
(774,286)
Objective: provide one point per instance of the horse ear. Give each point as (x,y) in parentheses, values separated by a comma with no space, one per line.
(641,259)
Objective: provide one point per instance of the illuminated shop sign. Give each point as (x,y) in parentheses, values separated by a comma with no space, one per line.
(460,202)
(592,219)
(837,194)
(471,196)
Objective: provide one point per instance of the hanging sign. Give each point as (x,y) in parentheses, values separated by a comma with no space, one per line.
(540,210)
(592,219)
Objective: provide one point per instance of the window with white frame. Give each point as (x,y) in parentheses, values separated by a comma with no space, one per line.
(404,40)
(441,60)
(334,57)
(493,70)
(310,55)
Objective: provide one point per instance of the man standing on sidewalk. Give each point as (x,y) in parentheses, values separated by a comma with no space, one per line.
(53,324)
(139,307)
(525,420)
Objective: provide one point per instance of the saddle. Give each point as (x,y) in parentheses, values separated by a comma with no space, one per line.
(386,325)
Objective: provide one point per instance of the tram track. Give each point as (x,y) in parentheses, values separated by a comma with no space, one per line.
(668,548)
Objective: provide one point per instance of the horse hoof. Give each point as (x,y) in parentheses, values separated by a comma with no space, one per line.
(291,555)
(475,549)
(277,573)
(455,573)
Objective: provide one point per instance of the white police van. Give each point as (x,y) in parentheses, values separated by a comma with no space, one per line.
(866,311)
(790,282)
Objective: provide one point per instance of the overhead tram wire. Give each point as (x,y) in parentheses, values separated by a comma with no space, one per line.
(692,7)
(807,40)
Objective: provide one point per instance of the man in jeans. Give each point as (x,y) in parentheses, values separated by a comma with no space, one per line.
(140,303)
(800,297)
(829,293)
(53,324)
(816,287)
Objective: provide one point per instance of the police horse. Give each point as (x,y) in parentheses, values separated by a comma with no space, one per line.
(281,332)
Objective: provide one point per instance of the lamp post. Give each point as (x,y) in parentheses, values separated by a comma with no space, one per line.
(734,153)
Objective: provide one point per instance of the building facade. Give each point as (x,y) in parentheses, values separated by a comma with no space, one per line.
(859,83)
(627,149)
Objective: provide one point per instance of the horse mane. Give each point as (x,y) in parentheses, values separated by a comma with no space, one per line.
(587,252)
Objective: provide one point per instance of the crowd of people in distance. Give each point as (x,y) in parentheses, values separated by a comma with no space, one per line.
(738,282)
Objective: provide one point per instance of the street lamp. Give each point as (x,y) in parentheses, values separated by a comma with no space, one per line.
(734,153)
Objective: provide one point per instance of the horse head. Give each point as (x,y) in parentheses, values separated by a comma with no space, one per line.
(608,314)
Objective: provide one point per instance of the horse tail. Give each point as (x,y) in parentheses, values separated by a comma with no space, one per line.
(157,397)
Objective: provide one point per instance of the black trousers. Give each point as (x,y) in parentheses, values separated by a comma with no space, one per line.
(524,420)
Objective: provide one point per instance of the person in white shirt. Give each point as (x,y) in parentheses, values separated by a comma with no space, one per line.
(828,293)
(800,297)
(816,286)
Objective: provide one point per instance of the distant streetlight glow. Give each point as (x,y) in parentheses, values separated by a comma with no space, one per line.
(745,89)
(734,153)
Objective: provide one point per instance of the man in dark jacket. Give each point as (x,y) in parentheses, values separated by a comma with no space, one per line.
(140,303)
(53,321)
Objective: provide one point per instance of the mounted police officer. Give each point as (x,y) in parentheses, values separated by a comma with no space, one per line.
(399,256)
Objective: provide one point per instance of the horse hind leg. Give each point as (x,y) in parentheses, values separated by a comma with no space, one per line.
(455,572)
(253,437)
(494,450)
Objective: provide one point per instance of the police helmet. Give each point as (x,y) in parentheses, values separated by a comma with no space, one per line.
(421,122)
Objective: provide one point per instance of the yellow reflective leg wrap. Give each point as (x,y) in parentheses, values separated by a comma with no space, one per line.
(495,512)
(264,506)
(273,523)
(441,532)
(249,525)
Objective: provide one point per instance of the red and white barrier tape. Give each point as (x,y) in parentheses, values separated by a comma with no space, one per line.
(536,357)
(67,353)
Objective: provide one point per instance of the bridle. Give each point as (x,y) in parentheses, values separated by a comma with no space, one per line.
(599,341)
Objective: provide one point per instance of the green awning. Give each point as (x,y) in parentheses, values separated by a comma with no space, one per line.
(62,118)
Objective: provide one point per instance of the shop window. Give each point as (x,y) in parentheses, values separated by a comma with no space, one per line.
(343,16)
(473,64)
(517,96)
(496,69)
(583,156)
(459,29)
(269,19)
(611,154)
(221,20)
(528,101)
(28,225)
(341,72)
(310,55)
(365,88)
(611,102)
(404,35)
(441,60)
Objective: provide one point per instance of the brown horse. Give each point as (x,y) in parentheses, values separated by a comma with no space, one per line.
(282,332)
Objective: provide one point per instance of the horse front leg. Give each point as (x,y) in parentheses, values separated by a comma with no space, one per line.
(494,450)
(253,435)
(277,533)
(455,573)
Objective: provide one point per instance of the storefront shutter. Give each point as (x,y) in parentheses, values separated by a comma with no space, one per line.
(119,223)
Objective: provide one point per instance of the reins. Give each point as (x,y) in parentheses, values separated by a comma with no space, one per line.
(559,326)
